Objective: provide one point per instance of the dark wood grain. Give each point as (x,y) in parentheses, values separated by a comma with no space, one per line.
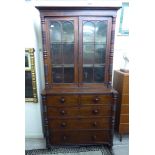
(121,84)
(78,112)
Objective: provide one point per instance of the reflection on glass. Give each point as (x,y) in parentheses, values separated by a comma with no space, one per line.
(88,54)
(68,75)
(62,51)
(88,32)
(101,29)
(88,74)
(28,85)
(100,51)
(26,61)
(98,74)
(68,52)
(94,50)
(55,32)
(57,74)
(56,54)
(67,32)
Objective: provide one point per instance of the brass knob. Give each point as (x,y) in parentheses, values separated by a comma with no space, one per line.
(62,112)
(96,99)
(63,124)
(62,100)
(94,137)
(95,111)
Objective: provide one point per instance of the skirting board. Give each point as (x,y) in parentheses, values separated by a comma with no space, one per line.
(34,136)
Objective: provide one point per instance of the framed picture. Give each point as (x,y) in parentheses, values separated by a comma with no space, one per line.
(124,19)
(30,77)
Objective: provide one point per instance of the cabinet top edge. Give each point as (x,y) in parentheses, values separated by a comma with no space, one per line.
(46,8)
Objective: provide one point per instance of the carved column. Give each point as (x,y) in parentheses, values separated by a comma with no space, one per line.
(111,50)
(45,121)
(115,97)
(45,53)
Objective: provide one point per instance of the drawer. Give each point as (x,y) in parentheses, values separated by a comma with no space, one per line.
(125,99)
(125,109)
(95,99)
(83,123)
(124,128)
(62,100)
(126,85)
(80,137)
(62,112)
(81,111)
(124,118)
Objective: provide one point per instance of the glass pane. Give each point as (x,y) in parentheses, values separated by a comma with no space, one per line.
(26,61)
(28,85)
(100,51)
(68,32)
(98,74)
(68,53)
(88,32)
(101,31)
(88,74)
(57,74)
(68,75)
(88,53)
(55,32)
(56,54)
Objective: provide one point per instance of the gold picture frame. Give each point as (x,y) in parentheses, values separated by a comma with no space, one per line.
(30,76)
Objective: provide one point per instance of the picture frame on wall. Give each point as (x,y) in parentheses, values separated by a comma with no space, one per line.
(124,19)
(30,77)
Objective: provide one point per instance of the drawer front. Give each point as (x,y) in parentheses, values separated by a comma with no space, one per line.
(124,118)
(95,99)
(96,110)
(62,112)
(125,99)
(80,137)
(81,111)
(124,128)
(62,100)
(83,123)
(126,85)
(125,109)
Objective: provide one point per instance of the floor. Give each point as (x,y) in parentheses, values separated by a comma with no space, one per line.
(119,148)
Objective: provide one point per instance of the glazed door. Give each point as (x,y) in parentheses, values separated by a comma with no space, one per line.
(62,50)
(94,46)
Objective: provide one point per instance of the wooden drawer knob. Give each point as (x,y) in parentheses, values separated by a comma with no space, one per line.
(95,111)
(94,137)
(62,100)
(94,124)
(96,99)
(63,124)
(62,112)
(64,138)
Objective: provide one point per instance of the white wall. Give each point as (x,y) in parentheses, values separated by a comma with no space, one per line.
(33,123)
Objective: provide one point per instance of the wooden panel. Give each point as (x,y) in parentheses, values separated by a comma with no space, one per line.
(83,123)
(95,99)
(124,128)
(125,109)
(124,118)
(79,111)
(121,82)
(80,137)
(126,84)
(62,100)
(125,99)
